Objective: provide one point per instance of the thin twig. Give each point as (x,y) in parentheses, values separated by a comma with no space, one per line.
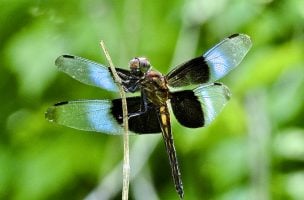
(126,162)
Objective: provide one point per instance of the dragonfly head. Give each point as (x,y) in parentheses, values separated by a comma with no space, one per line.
(139,65)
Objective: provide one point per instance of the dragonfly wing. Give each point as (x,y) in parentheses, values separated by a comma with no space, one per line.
(87,72)
(199,107)
(103,116)
(213,65)
(87,115)
(226,55)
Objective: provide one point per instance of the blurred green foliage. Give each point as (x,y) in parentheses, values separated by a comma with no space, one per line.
(253,150)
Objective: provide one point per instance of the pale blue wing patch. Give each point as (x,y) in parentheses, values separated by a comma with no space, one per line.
(213,98)
(226,55)
(87,115)
(86,71)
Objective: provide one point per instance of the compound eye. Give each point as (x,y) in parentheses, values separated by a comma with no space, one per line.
(144,65)
(134,64)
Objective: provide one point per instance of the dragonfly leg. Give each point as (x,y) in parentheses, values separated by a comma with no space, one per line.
(130,85)
(143,106)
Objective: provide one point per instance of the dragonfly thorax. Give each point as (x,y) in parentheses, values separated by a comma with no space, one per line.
(155,86)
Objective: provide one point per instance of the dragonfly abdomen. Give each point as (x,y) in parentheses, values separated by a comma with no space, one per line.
(164,119)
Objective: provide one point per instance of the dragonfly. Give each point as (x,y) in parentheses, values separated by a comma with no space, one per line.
(190,89)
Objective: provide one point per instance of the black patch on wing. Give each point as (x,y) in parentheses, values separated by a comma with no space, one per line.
(195,71)
(141,124)
(187,109)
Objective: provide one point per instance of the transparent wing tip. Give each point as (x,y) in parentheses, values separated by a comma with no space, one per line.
(242,37)
(225,89)
(60,60)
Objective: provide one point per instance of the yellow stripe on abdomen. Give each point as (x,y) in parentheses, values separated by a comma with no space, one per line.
(164,116)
